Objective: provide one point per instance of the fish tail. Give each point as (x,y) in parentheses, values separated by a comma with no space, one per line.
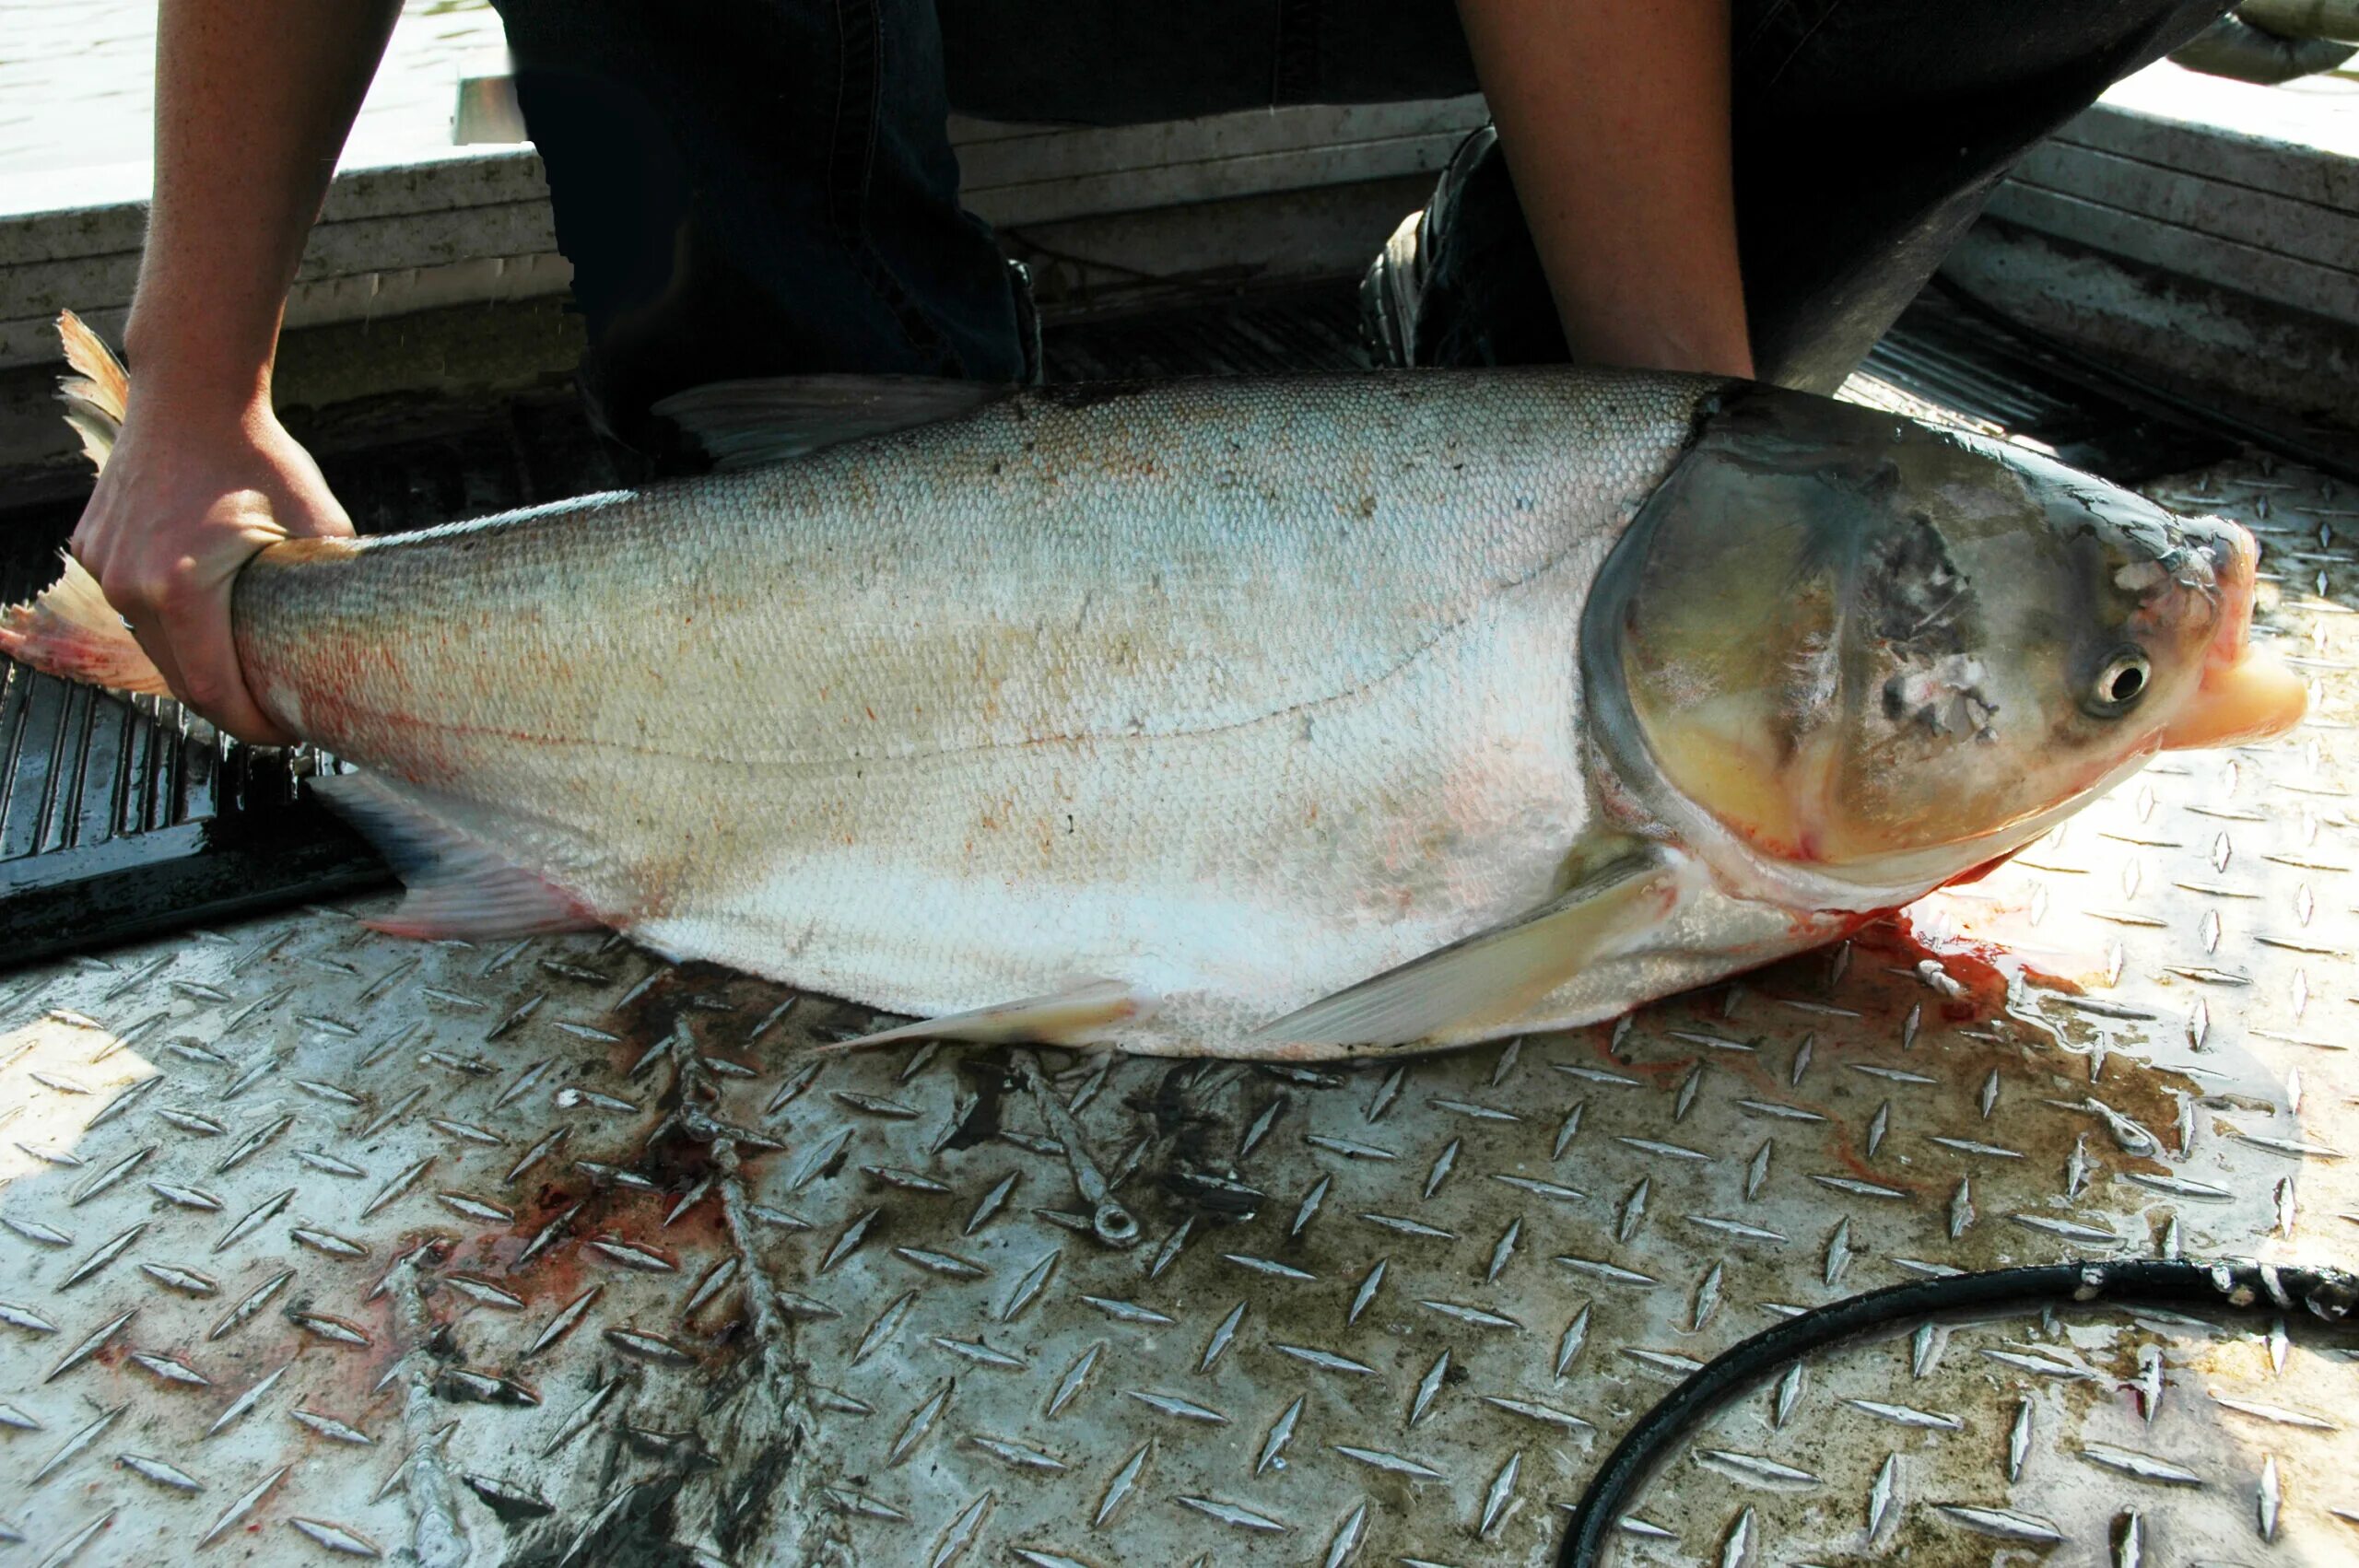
(71,630)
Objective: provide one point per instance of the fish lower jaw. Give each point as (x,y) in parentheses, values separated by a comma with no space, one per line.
(1654,809)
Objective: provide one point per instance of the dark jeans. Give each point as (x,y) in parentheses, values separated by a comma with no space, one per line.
(766,187)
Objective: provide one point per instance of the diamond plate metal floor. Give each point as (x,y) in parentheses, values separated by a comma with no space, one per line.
(325,1245)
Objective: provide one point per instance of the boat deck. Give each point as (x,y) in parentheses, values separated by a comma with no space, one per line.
(329,1245)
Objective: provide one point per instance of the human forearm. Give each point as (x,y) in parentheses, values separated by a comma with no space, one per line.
(1613,115)
(253,98)
(252,101)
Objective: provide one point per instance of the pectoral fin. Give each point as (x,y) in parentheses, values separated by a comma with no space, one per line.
(1067,1018)
(1492,974)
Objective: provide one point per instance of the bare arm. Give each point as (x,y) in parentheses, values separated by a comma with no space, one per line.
(253,98)
(1613,115)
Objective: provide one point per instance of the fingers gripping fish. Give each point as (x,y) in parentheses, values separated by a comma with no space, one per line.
(1288,717)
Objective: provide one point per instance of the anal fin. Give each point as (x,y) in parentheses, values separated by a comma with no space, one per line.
(457,885)
(1495,974)
(1073,1017)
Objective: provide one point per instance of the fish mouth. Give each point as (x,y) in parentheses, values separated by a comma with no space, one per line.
(2245,693)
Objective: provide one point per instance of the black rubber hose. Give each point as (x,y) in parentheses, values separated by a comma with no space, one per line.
(2329,1294)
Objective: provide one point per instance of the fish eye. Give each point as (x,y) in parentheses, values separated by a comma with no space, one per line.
(2120,682)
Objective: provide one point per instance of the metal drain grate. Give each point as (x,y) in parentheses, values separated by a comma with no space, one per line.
(117,822)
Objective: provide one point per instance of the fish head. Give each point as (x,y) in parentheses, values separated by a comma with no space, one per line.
(1889,654)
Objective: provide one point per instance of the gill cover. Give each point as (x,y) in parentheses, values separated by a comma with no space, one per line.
(1886,653)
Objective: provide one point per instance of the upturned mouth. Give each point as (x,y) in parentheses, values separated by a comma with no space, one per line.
(2246,693)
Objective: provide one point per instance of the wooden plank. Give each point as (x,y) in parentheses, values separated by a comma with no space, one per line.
(463,177)
(102,211)
(2284,280)
(355,297)
(2325,176)
(338,250)
(1225,179)
(475,280)
(1124,261)
(1039,154)
(2224,346)
(2316,113)
(2262,219)
(62,215)
(410,236)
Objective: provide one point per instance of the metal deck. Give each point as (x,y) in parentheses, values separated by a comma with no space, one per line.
(325,1245)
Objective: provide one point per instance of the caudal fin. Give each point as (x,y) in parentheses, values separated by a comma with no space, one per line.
(71,630)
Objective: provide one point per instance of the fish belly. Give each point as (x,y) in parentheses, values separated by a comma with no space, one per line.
(1230,875)
(1233,691)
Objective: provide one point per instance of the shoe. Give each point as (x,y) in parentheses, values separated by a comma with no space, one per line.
(1460,283)
(1389,293)
(1028,322)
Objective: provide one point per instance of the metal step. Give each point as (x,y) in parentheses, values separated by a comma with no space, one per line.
(327,1246)
(324,1245)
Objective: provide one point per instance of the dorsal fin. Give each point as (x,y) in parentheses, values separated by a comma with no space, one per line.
(96,394)
(741,424)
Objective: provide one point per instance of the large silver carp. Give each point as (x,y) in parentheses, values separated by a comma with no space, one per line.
(1286,717)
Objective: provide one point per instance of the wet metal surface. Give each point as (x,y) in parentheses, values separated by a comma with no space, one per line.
(324,1244)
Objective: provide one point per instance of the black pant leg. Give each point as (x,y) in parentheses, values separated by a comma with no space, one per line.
(1131,62)
(752,187)
(1869,133)
(756,187)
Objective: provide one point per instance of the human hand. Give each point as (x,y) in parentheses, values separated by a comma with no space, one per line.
(192,491)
